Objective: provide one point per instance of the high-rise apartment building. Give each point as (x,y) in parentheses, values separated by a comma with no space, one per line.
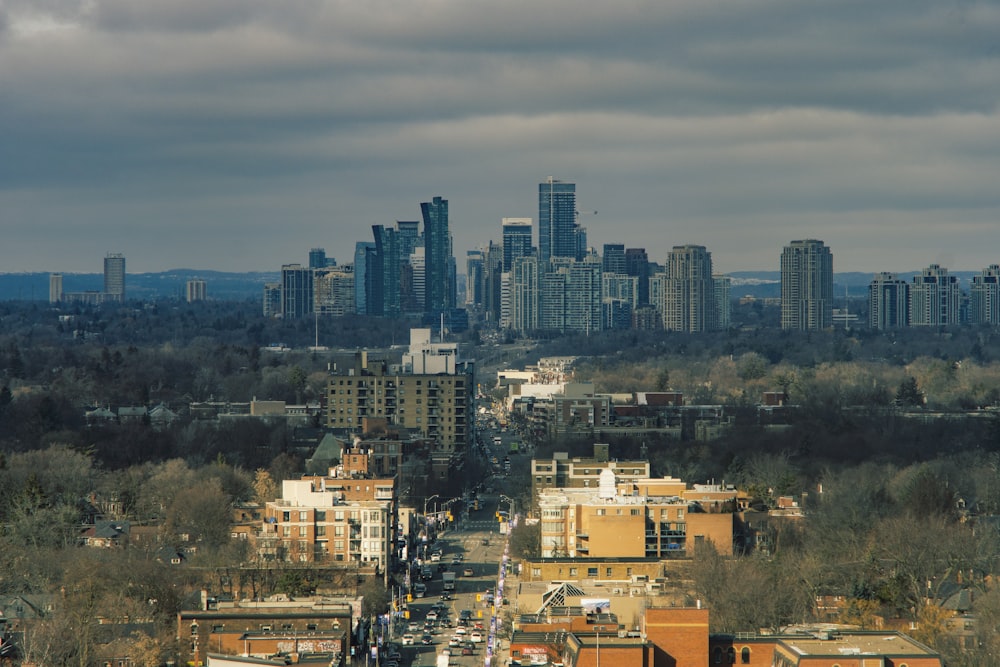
(984,297)
(334,290)
(613,259)
(474,265)
(431,391)
(417,291)
(383,277)
(570,296)
(195,290)
(689,290)
(272,300)
(723,302)
(637,264)
(493,282)
(935,298)
(524,294)
(317,258)
(556,219)
(806,285)
(55,287)
(888,302)
(296,291)
(114,277)
(438,258)
(363,252)
(409,237)
(516,240)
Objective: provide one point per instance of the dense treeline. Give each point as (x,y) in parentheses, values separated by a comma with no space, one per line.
(905,511)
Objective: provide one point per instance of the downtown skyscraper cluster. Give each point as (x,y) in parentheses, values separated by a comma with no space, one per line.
(401,271)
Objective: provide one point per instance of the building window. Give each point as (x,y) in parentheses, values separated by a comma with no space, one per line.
(591,571)
(572,571)
(607,572)
(320,515)
(745,655)
(680,515)
(303,516)
(536,572)
(302,531)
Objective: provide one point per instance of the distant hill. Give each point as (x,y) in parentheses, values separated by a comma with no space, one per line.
(221,286)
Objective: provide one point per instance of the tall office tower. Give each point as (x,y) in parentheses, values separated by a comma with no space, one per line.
(524,294)
(195,290)
(362,259)
(984,296)
(637,264)
(409,237)
(888,302)
(613,260)
(114,277)
(492,282)
(383,274)
(55,287)
(556,219)
(516,240)
(317,258)
(272,300)
(440,274)
(296,291)
(474,267)
(689,290)
(806,285)
(334,290)
(723,302)
(935,298)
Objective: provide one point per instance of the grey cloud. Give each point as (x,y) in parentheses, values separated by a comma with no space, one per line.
(676,118)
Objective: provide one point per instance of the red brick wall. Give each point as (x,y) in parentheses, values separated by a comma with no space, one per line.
(680,636)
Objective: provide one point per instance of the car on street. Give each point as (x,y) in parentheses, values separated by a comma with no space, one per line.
(465,614)
(467,650)
(407,639)
(468,572)
(476,636)
(432,615)
(426,640)
(460,631)
(454,641)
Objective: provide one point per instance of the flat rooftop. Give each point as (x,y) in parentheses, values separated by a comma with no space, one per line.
(878,643)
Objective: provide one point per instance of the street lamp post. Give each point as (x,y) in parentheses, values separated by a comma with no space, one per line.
(427,500)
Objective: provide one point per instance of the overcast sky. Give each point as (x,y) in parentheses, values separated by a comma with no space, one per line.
(237,134)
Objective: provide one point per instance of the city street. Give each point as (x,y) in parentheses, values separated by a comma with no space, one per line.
(480,547)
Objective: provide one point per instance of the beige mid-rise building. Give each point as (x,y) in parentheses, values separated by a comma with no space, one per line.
(617,521)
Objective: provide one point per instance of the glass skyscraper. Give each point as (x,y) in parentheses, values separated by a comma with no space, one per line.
(556,219)
(439,275)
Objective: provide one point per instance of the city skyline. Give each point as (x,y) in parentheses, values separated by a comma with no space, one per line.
(232,136)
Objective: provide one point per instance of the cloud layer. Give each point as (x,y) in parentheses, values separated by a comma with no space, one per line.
(237,134)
